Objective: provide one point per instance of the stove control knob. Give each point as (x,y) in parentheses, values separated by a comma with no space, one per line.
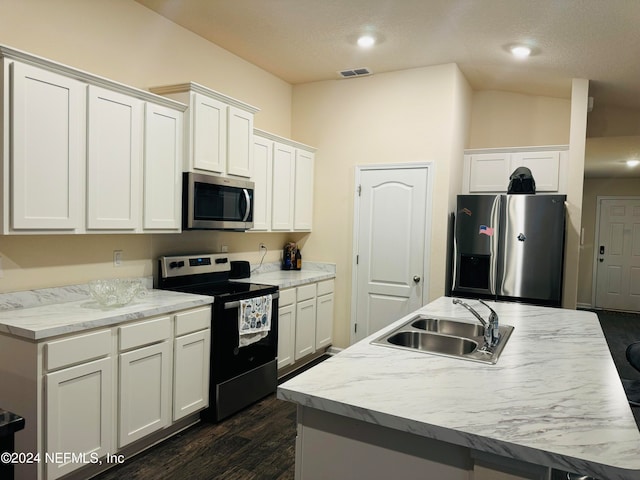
(176,264)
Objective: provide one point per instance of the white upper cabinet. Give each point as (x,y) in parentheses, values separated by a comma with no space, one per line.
(283,177)
(83,154)
(46,130)
(163,150)
(218,129)
(262,174)
(114,160)
(544,166)
(488,170)
(303,191)
(283,184)
(240,142)
(208,134)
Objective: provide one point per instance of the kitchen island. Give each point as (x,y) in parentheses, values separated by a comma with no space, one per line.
(553,400)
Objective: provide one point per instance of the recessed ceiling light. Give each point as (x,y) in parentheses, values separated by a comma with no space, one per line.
(633,163)
(520,51)
(366,41)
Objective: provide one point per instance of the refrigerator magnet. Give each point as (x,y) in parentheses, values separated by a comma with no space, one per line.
(484,230)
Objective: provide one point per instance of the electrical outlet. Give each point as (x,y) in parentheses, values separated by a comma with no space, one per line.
(117,258)
(224,248)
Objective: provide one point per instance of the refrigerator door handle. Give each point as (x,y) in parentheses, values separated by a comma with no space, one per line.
(495,223)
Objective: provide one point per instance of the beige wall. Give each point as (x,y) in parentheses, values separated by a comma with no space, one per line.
(504,119)
(417,115)
(126,42)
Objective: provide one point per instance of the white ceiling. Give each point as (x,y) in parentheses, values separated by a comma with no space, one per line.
(309,40)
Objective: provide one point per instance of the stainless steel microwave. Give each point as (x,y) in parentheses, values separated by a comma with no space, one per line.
(216,203)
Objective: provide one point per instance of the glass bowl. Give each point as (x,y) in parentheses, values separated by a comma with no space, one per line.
(116,292)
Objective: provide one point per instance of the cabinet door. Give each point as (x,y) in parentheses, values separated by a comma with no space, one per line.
(47,128)
(303,191)
(283,178)
(324,321)
(239,142)
(191,373)
(489,172)
(145,392)
(162,168)
(262,174)
(114,189)
(544,166)
(78,413)
(305,328)
(209,133)
(286,335)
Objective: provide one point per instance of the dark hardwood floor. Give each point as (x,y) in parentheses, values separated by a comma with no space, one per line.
(259,442)
(256,443)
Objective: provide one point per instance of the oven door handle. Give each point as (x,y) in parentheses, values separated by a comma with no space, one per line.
(236,304)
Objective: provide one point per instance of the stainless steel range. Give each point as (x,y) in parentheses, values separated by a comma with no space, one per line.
(243,362)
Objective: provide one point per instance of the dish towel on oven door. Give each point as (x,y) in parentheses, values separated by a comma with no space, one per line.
(254,320)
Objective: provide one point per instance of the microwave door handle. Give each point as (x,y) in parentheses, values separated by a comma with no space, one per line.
(248,200)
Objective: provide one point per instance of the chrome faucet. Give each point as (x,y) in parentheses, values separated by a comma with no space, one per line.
(491,332)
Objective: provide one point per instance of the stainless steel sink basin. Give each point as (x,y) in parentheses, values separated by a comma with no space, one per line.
(429,342)
(446,337)
(449,327)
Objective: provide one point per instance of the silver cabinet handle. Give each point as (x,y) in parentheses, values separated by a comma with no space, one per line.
(416,278)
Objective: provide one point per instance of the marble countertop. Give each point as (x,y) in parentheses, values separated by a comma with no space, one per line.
(554,397)
(311,273)
(78,311)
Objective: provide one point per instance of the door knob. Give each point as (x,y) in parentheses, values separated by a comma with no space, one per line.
(416,278)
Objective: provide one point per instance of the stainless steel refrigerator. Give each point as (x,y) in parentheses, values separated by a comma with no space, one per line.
(509,247)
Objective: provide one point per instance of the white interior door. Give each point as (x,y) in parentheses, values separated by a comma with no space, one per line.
(618,255)
(389,239)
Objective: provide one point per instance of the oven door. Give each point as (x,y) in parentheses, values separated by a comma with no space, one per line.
(228,358)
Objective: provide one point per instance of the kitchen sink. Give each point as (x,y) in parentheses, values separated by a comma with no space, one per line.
(446,337)
(449,327)
(429,342)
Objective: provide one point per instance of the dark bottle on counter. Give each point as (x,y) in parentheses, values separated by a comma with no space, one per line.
(298,259)
(286,260)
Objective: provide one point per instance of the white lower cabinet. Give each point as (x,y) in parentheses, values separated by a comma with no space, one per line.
(191,362)
(144,392)
(286,327)
(324,314)
(133,379)
(305,321)
(78,397)
(78,412)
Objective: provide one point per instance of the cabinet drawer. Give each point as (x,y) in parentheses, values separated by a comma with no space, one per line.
(306,292)
(287,297)
(145,333)
(192,321)
(80,348)
(325,287)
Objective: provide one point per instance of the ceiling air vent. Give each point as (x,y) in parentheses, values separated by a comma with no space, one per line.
(355,72)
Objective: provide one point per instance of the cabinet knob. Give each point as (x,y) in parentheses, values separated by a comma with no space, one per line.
(416,278)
